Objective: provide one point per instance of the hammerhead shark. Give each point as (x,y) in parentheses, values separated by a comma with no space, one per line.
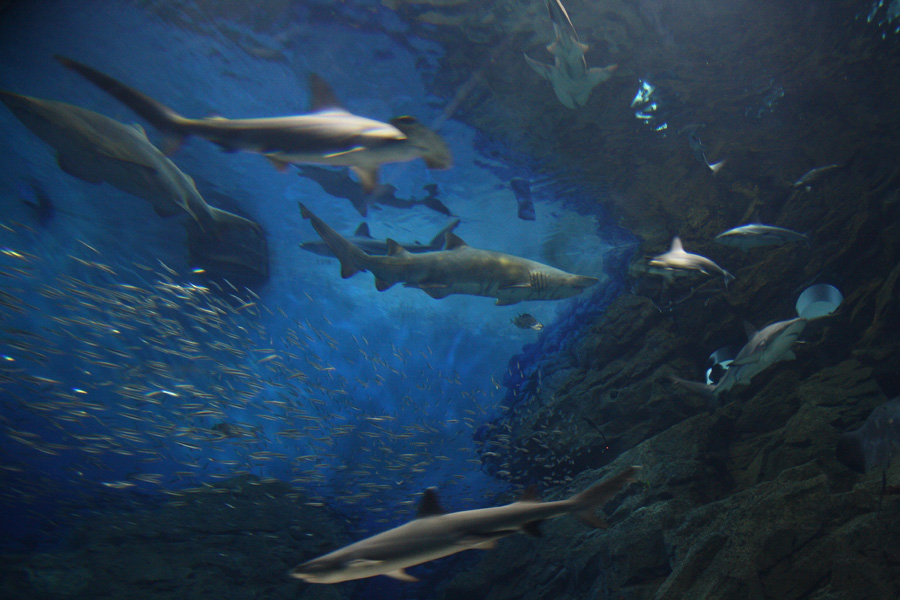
(364,240)
(569,74)
(435,533)
(678,263)
(95,148)
(764,348)
(330,135)
(458,269)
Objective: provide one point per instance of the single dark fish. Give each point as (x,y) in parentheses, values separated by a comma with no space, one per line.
(875,443)
(522,189)
(527,321)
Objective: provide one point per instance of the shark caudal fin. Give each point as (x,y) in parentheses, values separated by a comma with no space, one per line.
(223,218)
(172,124)
(437,242)
(353,260)
(592,498)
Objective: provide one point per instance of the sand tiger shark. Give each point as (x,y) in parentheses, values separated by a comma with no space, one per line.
(764,348)
(95,148)
(678,263)
(458,269)
(363,239)
(329,135)
(569,74)
(435,533)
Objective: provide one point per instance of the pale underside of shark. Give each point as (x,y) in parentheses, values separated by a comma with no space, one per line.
(458,269)
(95,148)
(677,263)
(435,533)
(764,348)
(363,240)
(329,135)
(569,74)
(756,235)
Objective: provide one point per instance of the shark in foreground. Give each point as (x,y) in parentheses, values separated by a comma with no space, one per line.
(363,239)
(458,269)
(755,235)
(678,263)
(330,135)
(569,74)
(763,349)
(95,148)
(435,533)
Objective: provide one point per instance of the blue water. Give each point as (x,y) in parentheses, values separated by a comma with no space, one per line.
(358,398)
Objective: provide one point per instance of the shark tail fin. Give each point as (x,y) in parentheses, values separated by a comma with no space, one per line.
(223,218)
(708,391)
(353,260)
(437,242)
(172,124)
(590,499)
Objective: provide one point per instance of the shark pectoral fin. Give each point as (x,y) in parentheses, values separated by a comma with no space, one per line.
(513,286)
(75,169)
(533,528)
(589,518)
(381,284)
(401,575)
(435,290)
(358,563)
(368,177)
(598,75)
(789,355)
(487,545)
(506,300)
(348,269)
(540,68)
(279,164)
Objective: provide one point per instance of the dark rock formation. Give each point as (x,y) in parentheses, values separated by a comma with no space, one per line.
(237,539)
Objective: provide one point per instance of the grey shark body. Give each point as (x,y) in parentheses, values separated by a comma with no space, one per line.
(95,148)
(435,534)
(764,348)
(755,235)
(329,135)
(458,269)
(569,74)
(363,240)
(677,263)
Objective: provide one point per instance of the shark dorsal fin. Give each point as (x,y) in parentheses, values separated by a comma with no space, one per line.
(453,241)
(362,230)
(531,494)
(749,329)
(395,249)
(321,96)
(676,245)
(430,506)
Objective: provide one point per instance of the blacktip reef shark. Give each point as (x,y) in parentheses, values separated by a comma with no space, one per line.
(569,74)
(756,235)
(329,135)
(678,263)
(764,348)
(363,239)
(95,148)
(458,269)
(434,533)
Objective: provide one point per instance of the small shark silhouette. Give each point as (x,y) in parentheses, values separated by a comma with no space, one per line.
(435,533)
(458,269)
(95,148)
(363,239)
(763,349)
(569,74)
(678,263)
(330,135)
(755,235)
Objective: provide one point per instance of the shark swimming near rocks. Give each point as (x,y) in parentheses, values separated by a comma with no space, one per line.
(95,148)
(435,533)
(569,74)
(363,239)
(764,348)
(329,135)
(756,235)
(458,269)
(677,263)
